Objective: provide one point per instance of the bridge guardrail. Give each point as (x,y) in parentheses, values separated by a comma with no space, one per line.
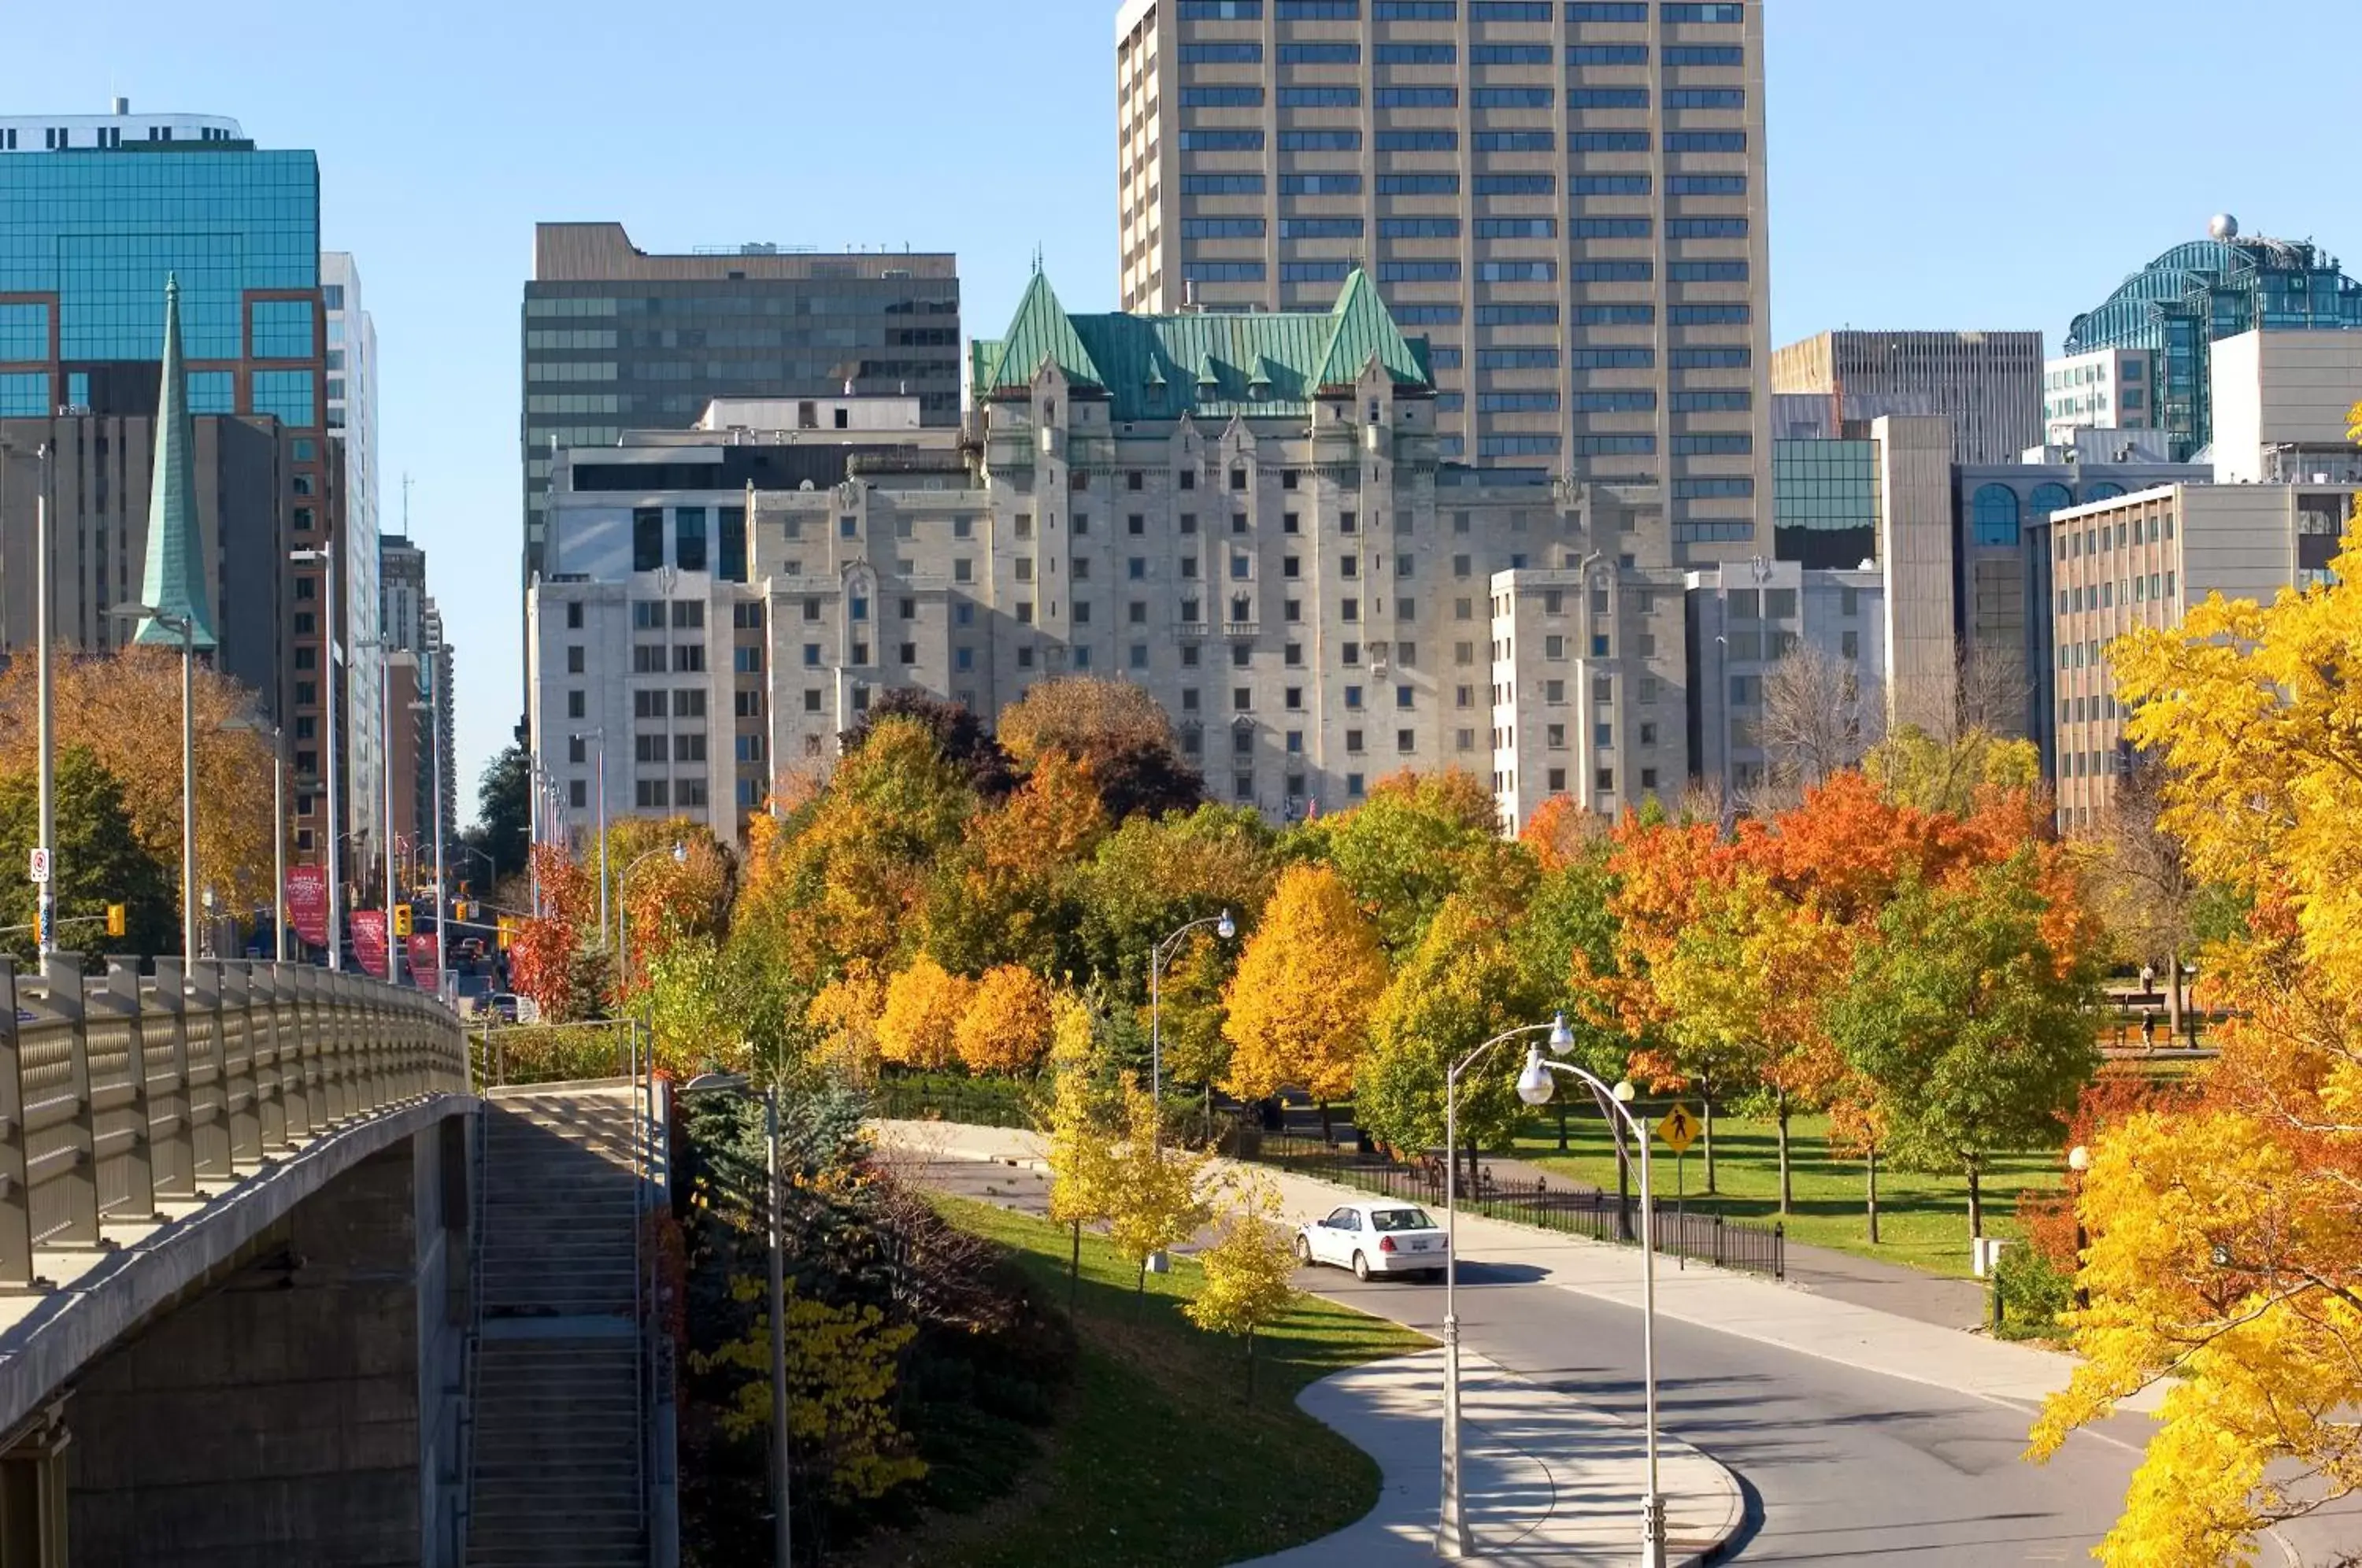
(120,1089)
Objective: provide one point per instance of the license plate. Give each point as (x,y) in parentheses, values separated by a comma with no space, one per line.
(1418,1246)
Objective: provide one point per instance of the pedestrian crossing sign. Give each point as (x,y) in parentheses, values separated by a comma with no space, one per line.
(1680,1129)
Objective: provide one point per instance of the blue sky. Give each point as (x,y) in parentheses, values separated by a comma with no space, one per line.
(2000,165)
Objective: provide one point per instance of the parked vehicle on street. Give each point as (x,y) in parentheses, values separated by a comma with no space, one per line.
(1375,1235)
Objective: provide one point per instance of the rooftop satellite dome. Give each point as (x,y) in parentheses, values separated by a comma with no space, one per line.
(2223,226)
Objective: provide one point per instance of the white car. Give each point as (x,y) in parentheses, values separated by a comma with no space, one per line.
(1375,1235)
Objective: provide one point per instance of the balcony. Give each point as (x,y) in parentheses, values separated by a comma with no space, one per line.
(1239,628)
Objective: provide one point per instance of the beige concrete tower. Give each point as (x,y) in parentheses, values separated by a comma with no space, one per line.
(1566,196)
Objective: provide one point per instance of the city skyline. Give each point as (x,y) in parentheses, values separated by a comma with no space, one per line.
(437,131)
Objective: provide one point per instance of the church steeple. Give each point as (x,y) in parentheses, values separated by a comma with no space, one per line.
(175,578)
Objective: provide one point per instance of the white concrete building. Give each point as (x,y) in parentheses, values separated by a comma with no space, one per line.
(2107,389)
(352,429)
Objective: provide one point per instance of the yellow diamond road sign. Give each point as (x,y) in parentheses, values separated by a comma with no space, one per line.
(1678,1129)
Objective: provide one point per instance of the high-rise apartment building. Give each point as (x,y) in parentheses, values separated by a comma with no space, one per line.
(97,213)
(414,633)
(615,337)
(1989,384)
(1566,196)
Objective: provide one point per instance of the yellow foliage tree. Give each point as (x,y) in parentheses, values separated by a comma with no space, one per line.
(842,1367)
(1156,1197)
(1250,1269)
(1082,1126)
(1008,1023)
(2225,1240)
(846,1011)
(1298,1008)
(919,1025)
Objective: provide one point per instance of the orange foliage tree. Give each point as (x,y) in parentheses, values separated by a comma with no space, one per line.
(124,710)
(1008,1023)
(920,1025)
(551,961)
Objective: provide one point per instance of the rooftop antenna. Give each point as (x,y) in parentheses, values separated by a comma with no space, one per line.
(405,506)
(1037,259)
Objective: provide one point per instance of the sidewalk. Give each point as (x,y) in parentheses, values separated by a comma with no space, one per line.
(1546,1481)
(1769,1313)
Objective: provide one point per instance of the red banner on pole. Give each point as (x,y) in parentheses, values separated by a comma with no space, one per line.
(307,903)
(422,960)
(368,940)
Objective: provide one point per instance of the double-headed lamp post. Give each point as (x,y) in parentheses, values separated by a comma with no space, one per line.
(736,1083)
(1535,1087)
(680,852)
(2079,1160)
(185,628)
(1451,1529)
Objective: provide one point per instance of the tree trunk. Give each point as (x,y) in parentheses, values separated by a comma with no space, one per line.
(1250,1363)
(2172,998)
(1140,1288)
(1074,1273)
(1787,1191)
(1326,1135)
(1976,1203)
(1874,1194)
(1623,1183)
(1705,1097)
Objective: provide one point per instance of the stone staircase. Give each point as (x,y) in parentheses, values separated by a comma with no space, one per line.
(558,1442)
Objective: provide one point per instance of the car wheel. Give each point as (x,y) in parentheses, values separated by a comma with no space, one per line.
(1434,1277)
(1360,1266)
(1303,1253)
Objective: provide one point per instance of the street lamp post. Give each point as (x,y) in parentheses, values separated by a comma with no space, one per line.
(45,759)
(783,1536)
(433,709)
(1451,1527)
(2079,1160)
(257,726)
(1225,928)
(1535,1088)
(335,853)
(186,629)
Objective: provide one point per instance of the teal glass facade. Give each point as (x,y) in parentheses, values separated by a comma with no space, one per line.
(2180,303)
(98,231)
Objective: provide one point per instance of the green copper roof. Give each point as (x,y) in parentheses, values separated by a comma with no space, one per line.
(1041,331)
(175,581)
(1210,364)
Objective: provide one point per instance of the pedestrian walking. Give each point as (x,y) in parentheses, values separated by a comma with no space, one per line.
(2148,1029)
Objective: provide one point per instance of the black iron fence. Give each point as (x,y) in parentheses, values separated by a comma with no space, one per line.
(994,1104)
(1554,1205)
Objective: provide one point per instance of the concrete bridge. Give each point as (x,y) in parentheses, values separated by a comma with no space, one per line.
(241,1217)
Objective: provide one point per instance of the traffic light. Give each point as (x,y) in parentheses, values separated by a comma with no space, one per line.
(402,919)
(117,919)
(508,932)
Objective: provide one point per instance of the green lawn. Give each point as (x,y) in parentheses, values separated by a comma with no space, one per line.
(1157,1458)
(1923,1220)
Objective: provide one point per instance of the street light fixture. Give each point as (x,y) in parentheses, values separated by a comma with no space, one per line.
(2079,1160)
(1535,1087)
(600,735)
(185,628)
(736,1083)
(46,759)
(680,852)
(1451,1529)
(257,725)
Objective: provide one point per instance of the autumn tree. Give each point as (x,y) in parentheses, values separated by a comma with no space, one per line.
(1151,876)
(1560,831)
(920,1025)
(844,1014)
(1419,838)
(554,962)
(1156,1195)
(1976,1030)
(1114,728)
(1299,1005)
(100,861)
(663,897)
(1462,986)
(1008,1025)
(1195,1050)
(2152,904)
(2226,1256)
(960,737)
(1932,772)
(848,875)
(1250,1269)
(124,710)
(1083,1122)
(1010,893)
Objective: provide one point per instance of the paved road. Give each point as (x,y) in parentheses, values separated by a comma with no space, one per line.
(1841,1466)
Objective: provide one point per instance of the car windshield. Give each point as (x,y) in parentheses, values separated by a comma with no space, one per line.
(1401,1220)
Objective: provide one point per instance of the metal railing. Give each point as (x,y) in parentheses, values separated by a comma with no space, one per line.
(120,1089)
(1581,1211)
(515,1055)
(901,1100)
